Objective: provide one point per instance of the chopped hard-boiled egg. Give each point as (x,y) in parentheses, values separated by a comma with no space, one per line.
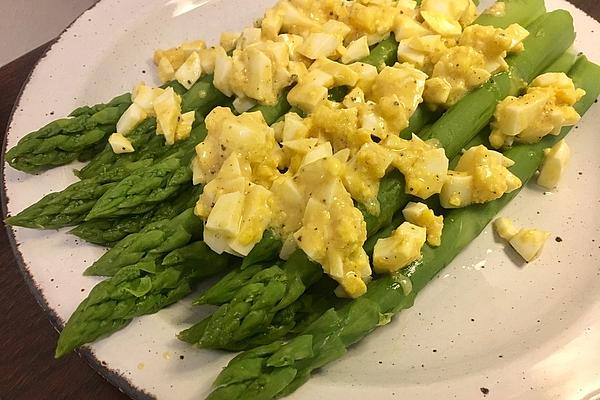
(313,85)
(171,60)
(481,175)
(256,217)
(529,243)
(233,176)
(407,27)
(421,215)
(226,215)
(165,104)
(505,228)
(318,45)
(243,104)
(190,71)
(144,96)
(307,97)
(453,9)
(294,127)
(459,70)
(554,164)
(229,40)
(400,249)
(423,51)
(184,126)
(403,81)
(167,108)
(544,109)
(363,173)
(351,286)
(441,23)
(247,135)
(178,55)
(166,72)
(356,50)
(463,64)
(130,119)
(316,209)
(120,144)
(423,165)
(342,75)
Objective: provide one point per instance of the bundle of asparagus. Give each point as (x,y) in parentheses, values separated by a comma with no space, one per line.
(141,204)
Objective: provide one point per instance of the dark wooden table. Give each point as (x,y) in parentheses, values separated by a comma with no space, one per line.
(28,370)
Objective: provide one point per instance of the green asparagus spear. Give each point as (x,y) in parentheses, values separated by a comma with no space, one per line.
(279,368)
(145,189)
(289,320)
(383,54)
(70,206)
(202,97)
(109,231)
(256,300)
(155,239)
(133,292)
(62,141)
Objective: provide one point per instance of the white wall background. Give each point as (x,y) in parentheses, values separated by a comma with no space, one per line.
(26,24)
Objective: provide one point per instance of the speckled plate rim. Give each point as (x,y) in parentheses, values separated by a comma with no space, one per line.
(114,377)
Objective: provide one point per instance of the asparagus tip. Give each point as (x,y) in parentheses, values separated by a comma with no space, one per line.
(61,349)
(91,271)
(15,220)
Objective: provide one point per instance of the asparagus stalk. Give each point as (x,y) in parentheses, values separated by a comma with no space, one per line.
(70,206)
(392,198)
(134,291)
(291,319)
(78,137)
(255,301)
(202,97)
(155,239)
(383,54)
(69,202)
(279,368)
(63,140)
(107,232)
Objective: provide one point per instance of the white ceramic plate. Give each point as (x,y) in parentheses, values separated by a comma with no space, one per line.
(486,323)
